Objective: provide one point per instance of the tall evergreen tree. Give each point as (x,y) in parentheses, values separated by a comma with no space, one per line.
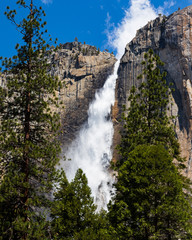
(149,201)
(152,198)
(74,213)
(146,121)
(28,126)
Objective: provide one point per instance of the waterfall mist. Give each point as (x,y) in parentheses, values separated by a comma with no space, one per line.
(91,150)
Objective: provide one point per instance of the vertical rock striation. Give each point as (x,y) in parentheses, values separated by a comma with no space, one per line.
(171,38)
(84,69)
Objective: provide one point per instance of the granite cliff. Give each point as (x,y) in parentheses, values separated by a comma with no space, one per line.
(83,69)
(170,38)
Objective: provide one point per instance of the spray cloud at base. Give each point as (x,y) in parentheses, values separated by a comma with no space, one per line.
(91,150)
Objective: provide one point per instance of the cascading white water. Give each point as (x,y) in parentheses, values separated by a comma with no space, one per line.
(91,150)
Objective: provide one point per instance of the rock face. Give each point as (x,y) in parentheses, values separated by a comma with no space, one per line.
(84,70)
(170,38)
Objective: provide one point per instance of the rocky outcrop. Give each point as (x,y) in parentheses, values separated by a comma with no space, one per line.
(170,38)
(83,69)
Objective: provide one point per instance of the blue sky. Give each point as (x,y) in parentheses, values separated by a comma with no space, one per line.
(88,20)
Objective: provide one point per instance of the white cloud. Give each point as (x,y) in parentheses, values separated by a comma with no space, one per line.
(136,16)
(166,5)
(108,23)
(169,4)
(46,1)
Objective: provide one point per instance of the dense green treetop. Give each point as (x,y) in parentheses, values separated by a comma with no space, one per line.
(152,198)
(74,214)
(149,202)
(28,130)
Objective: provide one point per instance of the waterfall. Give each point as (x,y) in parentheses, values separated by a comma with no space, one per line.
(91,150)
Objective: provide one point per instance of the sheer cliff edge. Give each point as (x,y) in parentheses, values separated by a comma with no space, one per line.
(170,38)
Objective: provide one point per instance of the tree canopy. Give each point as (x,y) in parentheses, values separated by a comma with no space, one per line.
(28,129)
(74,214)
(152,199)
(149,201)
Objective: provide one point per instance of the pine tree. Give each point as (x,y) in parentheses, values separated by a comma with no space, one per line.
(149,201)
(152,198)
(73,213)
(28,129)
(146,121)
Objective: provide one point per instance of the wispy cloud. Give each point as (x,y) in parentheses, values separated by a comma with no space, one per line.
(110,26)
(166,5)
(47,1)
(136,16)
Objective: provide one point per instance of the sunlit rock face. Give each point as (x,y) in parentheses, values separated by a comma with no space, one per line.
(84,69)
(171,38)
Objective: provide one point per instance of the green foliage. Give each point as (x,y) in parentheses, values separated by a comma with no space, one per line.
(147,121)
(152,199)
(28,131)
(149,201)
(73,211)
